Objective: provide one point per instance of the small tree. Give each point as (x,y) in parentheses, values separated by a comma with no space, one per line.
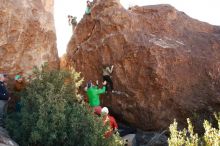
(212,135)
(192,139)
(51,114)
(177,138)
(185,137)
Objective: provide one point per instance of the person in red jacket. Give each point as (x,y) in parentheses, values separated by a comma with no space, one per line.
(113,126)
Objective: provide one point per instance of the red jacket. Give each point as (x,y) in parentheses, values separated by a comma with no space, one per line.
(112,123)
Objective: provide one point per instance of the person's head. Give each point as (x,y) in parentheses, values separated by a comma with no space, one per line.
(98,110)
(68,16)
(75,17)
(104,111)
(89,84)
(88,2)
(3,77)
(18,78)
(104,66)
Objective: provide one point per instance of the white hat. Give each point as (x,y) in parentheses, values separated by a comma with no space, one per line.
(1,75)
(105,110)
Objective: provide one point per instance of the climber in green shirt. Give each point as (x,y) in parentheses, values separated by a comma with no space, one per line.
(93,94)
(88,7)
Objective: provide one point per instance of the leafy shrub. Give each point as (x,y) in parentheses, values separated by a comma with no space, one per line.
(212,135)
(179,138)
(52,114)
(187,137)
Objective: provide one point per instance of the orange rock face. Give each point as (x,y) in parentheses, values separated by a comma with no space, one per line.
(27,35)
(167,65)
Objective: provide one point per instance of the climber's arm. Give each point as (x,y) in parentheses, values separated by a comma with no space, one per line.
(110,70)
(101,91)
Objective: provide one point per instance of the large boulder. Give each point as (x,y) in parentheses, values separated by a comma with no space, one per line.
(167,65)
(27,35)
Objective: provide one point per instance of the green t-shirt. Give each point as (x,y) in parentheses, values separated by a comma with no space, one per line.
(88,10)
(93,95)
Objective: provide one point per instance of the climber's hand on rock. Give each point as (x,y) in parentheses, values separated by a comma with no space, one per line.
(97,82)
(104,83)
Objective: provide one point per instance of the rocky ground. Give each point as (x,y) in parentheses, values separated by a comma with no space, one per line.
(5,139)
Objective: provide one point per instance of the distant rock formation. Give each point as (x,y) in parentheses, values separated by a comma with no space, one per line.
(27,35)
(167,65)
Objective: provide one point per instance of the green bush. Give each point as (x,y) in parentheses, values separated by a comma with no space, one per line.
(180,138)
(187,137)
(212,135)
(52,114)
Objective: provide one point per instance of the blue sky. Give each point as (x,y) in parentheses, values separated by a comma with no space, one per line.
(204,10)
